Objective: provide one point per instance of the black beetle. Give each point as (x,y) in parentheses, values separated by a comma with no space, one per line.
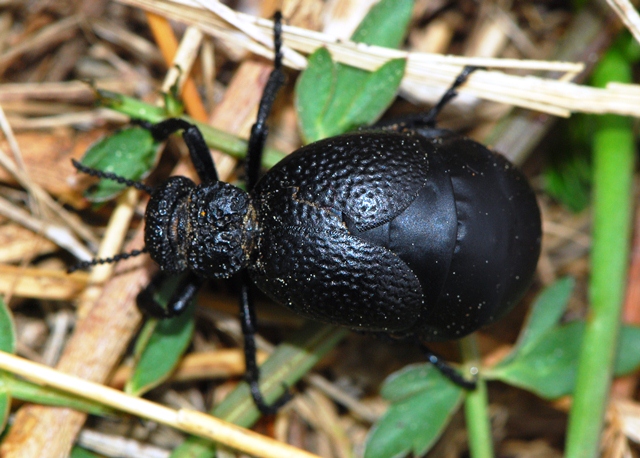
(401,228)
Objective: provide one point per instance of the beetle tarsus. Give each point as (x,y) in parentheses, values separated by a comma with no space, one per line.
(448,371)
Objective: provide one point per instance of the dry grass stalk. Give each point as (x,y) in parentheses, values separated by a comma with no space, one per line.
(40,283)
(91,353)
(41,40)
(58,234)
(557,97)
(433,70)
(64,234)
(18,243)
(189,421)
(168,45)
(628,14)
(110,245)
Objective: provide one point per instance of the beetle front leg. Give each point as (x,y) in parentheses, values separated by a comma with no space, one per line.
(181,298)
(198,149)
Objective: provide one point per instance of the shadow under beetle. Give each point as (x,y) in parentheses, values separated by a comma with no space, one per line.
(401,228)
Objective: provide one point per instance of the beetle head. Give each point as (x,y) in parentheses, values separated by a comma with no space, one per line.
(198,228)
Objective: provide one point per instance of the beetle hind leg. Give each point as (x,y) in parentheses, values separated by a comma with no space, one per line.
(259,132)
(429,119)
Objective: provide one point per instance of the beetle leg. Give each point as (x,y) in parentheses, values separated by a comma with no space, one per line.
(260,130)
(429,119)
(183,295)
(258,136)
(252,374)
(448,371)
(198,149)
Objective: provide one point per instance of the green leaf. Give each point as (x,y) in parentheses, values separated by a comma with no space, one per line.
(37,394)
(79,452)
(161,345)
(313,92)
(385,24)
(423,401)
(546,312)
(355,97)
(548,367)
(378,91)
(5,402)
(129,153)
(333,98)
(628,355)
(7,329)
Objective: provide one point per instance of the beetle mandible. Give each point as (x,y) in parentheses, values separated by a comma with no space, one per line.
(401,228)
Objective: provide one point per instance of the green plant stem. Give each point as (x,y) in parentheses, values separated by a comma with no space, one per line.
(215,138)
(613,150)
(476,405)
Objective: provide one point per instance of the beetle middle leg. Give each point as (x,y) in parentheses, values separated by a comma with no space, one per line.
(259,132)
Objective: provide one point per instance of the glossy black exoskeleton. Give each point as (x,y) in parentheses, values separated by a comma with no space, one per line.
(402,229)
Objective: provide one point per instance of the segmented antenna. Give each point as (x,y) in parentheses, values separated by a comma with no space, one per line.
(96,261)
(111,176)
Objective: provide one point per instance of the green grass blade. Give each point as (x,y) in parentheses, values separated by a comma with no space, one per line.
(612,203)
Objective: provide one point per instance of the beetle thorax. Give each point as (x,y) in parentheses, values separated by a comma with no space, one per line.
(203,228)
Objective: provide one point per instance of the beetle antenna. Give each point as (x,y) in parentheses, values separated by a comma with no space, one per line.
(111,176)
(430,118)
(94,262)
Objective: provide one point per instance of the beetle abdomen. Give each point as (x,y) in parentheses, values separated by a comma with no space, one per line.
(497,244)
(472,237)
